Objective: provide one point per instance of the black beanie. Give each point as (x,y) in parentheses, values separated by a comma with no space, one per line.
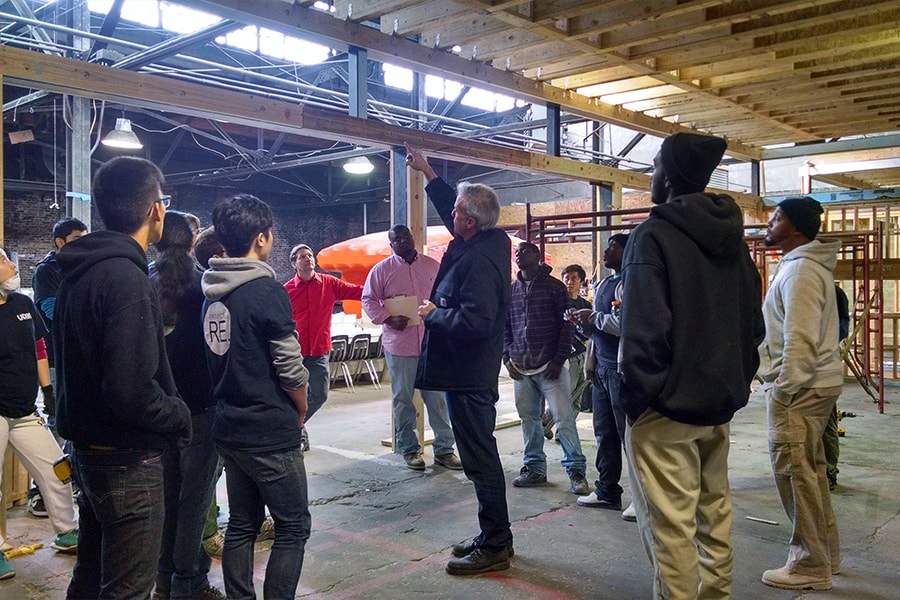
(689,160)
(804,214)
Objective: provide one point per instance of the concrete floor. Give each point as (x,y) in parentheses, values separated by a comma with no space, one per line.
(381,531)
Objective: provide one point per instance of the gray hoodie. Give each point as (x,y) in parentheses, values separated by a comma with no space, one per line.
(802,323)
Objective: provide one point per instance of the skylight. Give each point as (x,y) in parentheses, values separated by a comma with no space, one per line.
(176,18)
(446,89)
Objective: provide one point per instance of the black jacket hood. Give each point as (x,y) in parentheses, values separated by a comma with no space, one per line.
(713,221)
(543,271)
(78,256)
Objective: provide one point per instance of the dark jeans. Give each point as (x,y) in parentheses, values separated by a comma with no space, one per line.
(609,430)
(189,485)
(473,415)
(256,480)
(120,523)
(317,387)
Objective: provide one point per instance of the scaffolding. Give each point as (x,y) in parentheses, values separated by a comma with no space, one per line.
(871,352)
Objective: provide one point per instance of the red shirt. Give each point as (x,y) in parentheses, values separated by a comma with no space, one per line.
(312,303)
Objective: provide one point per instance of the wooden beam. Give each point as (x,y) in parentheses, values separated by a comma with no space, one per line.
(844,181)
(323,28)
(857,145)
(64,75)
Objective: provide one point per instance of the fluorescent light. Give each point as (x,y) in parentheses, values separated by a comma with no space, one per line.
(122,136)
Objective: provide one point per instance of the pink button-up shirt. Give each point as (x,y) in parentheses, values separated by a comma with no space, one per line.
(394,277)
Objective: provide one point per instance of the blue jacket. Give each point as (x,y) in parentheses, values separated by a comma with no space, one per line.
(463,341)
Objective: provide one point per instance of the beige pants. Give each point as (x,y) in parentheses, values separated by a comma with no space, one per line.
(801,476)
(679,482)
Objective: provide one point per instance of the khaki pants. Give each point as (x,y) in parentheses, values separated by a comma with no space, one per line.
(679,482)
(798,462)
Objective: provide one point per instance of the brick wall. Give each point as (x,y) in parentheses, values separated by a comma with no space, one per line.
(28,224)
(29,220)
(318,226)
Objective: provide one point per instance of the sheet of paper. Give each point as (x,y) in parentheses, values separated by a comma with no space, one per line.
(405,306)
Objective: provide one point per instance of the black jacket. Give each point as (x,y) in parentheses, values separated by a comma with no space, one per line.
(45,282)
(463,341)
(115,387)
(691,313)
(186,351)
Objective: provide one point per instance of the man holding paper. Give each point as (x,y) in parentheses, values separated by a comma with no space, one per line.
(393,292)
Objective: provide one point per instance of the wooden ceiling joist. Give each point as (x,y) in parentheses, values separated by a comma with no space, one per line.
(70,76)
(288,18)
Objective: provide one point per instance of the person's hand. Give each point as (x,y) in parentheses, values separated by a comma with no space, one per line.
(426,308)
(398,322)
(511,368)
(417,162)
(580,317)
(553,370)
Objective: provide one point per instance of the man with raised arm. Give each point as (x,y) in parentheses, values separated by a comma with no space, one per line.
(461,352)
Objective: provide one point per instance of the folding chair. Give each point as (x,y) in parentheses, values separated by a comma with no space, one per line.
(340,351)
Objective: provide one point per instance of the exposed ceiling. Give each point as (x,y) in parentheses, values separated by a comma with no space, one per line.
(759,72)
(755,71)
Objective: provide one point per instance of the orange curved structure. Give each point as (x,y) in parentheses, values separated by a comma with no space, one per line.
(355,258)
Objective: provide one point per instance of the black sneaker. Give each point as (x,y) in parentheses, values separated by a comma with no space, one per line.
(528,478)
(414,461)
(466,548)
(36,505)
(478,561)
(208,592)
(579,484)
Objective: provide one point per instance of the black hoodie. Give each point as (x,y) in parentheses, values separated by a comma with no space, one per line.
(45,282)
(463,340)
(115,388)
(691,312)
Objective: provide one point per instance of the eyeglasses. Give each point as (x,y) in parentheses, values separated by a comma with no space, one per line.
(166,200)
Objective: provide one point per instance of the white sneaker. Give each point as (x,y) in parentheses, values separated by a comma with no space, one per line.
(628,514)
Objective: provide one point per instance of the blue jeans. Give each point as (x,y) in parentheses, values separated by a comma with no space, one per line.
(189,485)
(256,480)
(317,387)
(403,378)
(473,416)
(120,523)
(576,377)
(529,391)
(609,430)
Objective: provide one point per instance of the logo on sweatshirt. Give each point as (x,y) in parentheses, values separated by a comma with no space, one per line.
(217,328)
(24,316)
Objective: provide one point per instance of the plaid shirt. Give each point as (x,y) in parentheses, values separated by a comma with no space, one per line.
(536,331)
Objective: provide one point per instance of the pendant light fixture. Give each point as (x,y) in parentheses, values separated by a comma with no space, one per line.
(359,165)
(122,136)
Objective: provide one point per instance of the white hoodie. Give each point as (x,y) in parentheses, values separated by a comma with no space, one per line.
(802,322)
